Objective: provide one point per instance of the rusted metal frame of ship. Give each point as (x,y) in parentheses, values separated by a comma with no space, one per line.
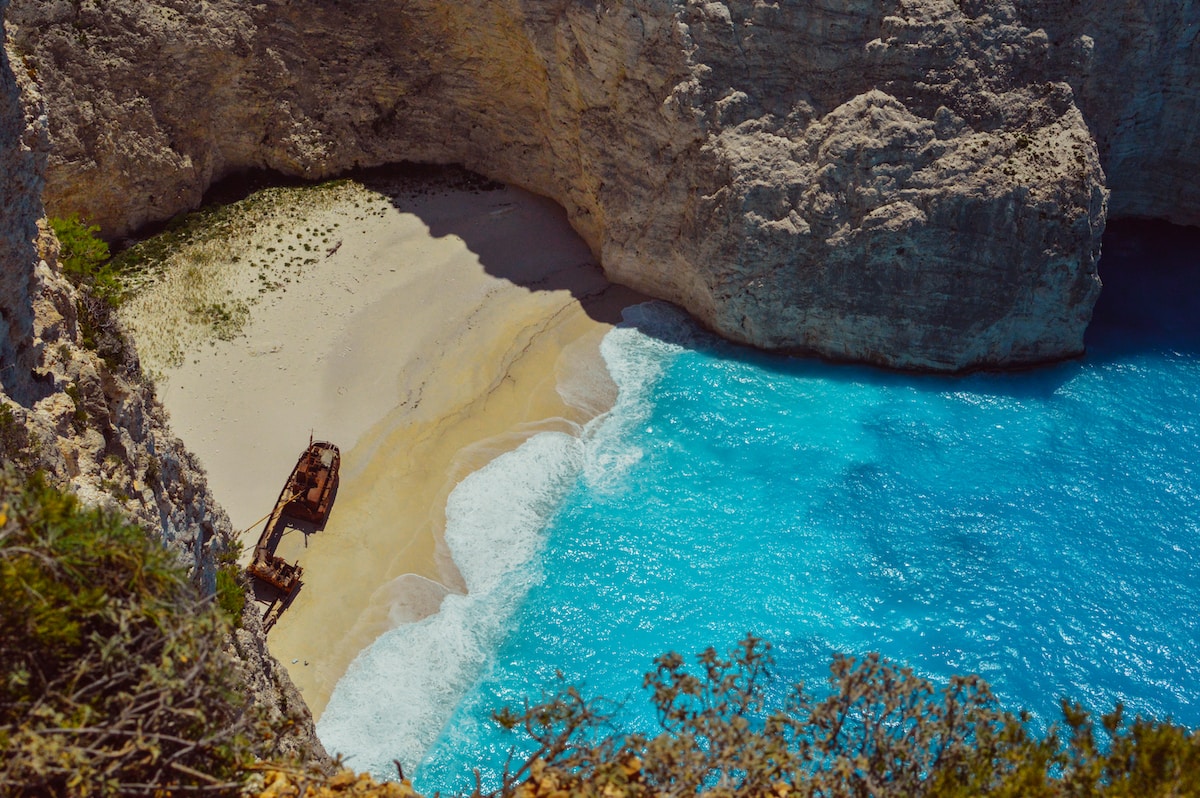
(306,496)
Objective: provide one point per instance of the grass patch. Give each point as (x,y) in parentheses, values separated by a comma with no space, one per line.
(197,281)
(225,319)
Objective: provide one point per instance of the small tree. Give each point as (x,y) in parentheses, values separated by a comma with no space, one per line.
(86,262)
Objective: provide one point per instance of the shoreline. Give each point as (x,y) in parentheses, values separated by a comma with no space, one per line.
(442,329)
(385,561)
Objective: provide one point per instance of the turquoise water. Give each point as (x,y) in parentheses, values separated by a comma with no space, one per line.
(1041,529)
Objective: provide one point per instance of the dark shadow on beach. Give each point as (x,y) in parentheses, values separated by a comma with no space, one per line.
(410,186)
(1150,269)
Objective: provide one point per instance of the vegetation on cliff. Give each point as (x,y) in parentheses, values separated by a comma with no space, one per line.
(85,258)
(87,263)
(728,731)
(199,279)
(115,677)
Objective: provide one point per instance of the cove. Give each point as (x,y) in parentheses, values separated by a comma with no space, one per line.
(1040,528)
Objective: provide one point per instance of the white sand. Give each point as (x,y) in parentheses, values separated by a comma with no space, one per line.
(444,329)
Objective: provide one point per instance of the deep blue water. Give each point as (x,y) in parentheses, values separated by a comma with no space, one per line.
(1040,528)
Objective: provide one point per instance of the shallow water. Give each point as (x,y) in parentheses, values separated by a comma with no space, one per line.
(1039,528)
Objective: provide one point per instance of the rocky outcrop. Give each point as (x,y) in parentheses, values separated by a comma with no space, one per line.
(92,423)
(914,183)
(1135,70)
(24,145)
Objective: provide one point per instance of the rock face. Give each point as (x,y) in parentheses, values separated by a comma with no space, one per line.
(915,183)
(92,423)
(1135,70)
(24,144)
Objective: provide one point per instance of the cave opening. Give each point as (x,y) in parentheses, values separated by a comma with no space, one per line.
(1151,295)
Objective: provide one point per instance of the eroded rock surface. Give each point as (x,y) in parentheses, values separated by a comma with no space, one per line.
(24,145)
(1135,69)
(92,423)
(913,183)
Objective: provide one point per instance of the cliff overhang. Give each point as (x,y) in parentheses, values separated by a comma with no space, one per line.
(914,183)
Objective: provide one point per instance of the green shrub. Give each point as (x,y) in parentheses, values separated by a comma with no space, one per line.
(231,596)
(85,258)
(86,262)
(12,435)
(114,676)
(152,474)
(79,418)
(231,593)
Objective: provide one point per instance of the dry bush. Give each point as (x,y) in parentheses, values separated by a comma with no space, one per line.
(879,730)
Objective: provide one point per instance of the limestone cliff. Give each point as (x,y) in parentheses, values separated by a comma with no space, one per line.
(912,183)
(24,144)
(92,423)
(1135,70)
(915,183)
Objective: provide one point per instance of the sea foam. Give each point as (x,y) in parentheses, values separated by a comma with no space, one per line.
(398,693)
(1040,528)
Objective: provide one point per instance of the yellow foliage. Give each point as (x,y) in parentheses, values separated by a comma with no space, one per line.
(346,784)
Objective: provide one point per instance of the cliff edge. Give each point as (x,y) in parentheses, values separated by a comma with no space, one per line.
(915,183)
(90,421)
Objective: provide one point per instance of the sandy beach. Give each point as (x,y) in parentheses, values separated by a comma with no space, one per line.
(429,326)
